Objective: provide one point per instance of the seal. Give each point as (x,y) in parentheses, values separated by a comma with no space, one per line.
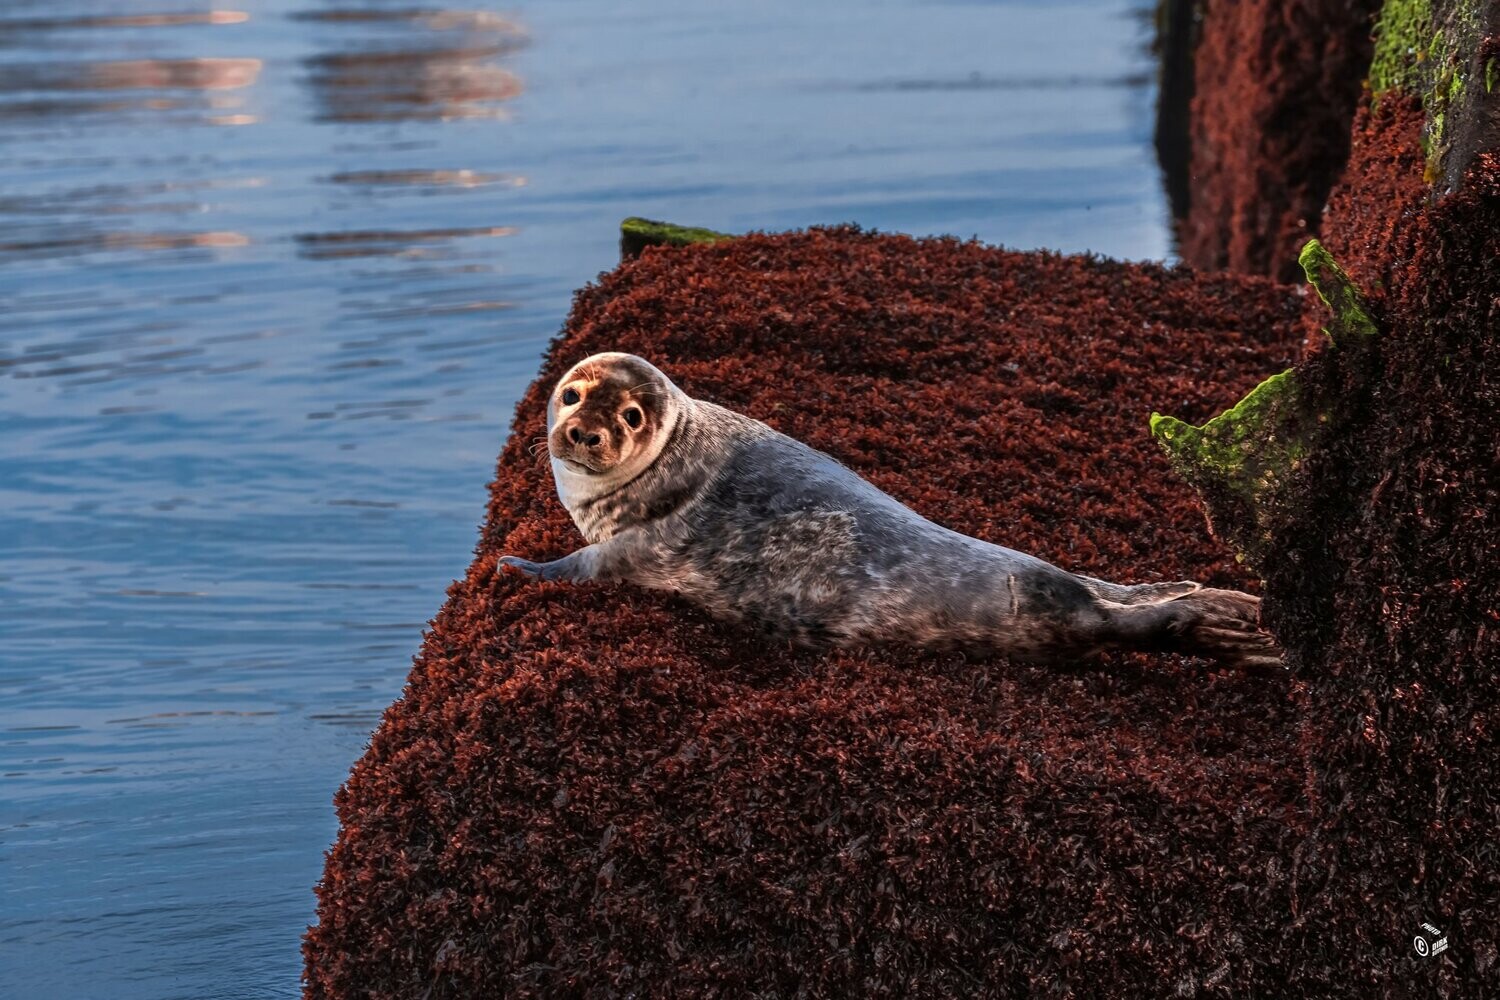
(680,494)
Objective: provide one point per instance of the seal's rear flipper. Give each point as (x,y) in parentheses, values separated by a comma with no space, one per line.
(1140,593)
(1223,625)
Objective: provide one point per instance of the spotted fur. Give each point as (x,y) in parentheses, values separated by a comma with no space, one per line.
(752,524)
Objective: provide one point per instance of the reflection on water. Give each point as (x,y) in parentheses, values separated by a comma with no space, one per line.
(429,181)
(52,89)
(12,30)
(95,242)
(977,81)
(133,74)
(377,242)
(271,280)
(420,64)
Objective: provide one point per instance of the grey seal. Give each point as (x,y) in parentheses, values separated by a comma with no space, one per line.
(680,494)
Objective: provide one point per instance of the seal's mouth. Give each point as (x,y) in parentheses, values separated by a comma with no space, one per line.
(579,467)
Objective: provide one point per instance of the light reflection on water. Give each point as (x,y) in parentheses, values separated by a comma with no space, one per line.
(271,280)
(418,65)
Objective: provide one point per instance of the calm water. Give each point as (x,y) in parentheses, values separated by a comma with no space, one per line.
(272,276)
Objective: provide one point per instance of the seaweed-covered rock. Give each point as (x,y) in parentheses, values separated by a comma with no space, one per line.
(1244,462)
(1389,596)
(1276,86)
(1380,576)
(636,234)
(1388,600)
(596,791)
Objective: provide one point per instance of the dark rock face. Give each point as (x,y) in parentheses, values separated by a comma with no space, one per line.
(591,791)
(1392,602)
(1277,85)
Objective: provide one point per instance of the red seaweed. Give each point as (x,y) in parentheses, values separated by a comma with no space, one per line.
(1387,592)
(591,790)
(1277,85)
(596,790)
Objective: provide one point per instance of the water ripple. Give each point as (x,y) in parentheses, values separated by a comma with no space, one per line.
(272,279)
(386,242)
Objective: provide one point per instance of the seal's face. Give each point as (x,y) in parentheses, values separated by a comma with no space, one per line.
(608,416)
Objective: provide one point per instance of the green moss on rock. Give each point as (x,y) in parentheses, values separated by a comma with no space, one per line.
(1221,446)
(636,234)
(1404,40)
(1242,461)
(1428,48)
(1351,316)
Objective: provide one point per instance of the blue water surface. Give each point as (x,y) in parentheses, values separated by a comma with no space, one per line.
(273,274)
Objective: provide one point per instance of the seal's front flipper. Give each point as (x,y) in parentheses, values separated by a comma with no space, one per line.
(615,558)
(575,567)
(523,566)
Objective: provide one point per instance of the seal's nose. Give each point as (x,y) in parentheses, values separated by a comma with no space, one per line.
(588,440)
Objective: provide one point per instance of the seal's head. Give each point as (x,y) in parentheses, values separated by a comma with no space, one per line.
(607,420)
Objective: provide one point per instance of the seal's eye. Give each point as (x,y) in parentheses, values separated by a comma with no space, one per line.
(633,417)
(570,396)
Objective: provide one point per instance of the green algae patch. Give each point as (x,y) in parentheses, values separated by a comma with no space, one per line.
(636,234)
(1420,45)
(1351,314)
(1429,49)
(1222,445)
(1404,41)
(1243,461)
